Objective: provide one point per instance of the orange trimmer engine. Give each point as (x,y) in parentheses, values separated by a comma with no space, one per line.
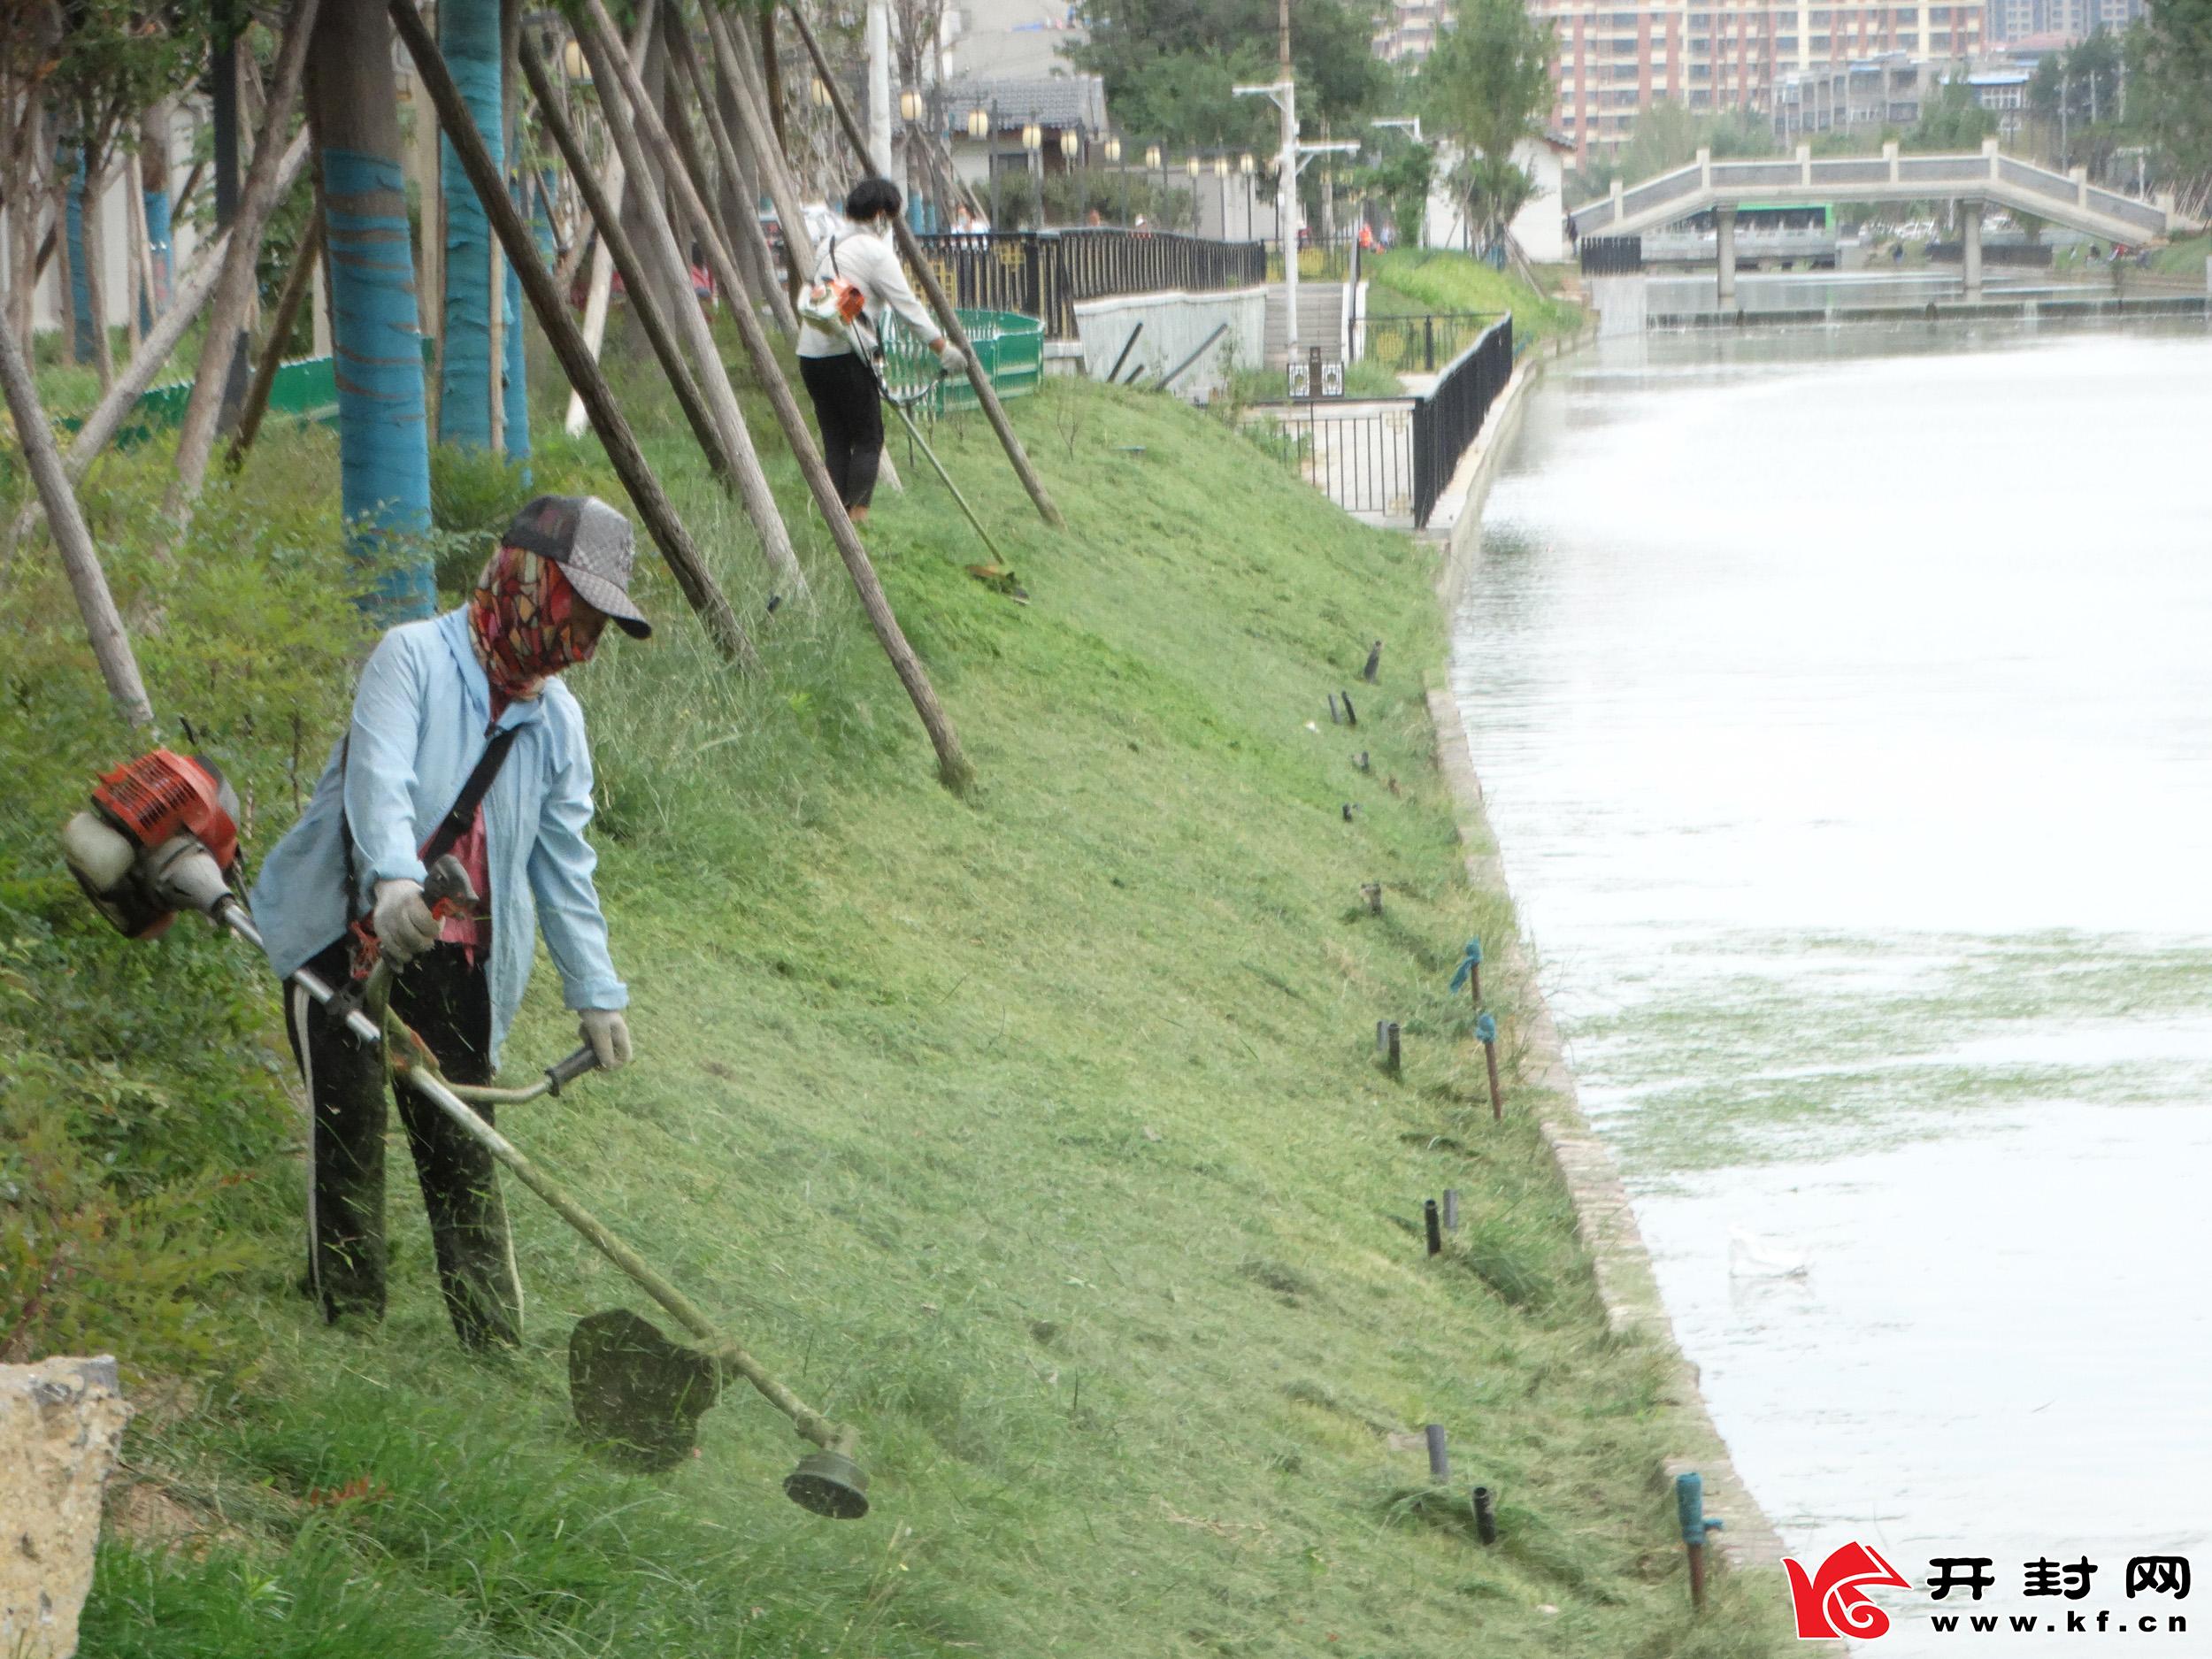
(161,836)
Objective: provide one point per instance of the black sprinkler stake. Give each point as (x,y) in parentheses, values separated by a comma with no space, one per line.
(1436,1248)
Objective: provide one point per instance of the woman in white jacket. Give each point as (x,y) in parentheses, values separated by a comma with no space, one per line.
(841,382)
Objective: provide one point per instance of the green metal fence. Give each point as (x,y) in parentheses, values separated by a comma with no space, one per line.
(1010,346)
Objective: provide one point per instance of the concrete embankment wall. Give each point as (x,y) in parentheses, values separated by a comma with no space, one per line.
(1175,324)
(1604,1217)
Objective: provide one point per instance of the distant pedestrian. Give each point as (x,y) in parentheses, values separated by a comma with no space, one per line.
(1574,238)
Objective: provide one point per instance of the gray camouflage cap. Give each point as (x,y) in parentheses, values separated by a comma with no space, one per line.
(592,544)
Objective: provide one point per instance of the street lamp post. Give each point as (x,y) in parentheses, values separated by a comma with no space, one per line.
(1112,148)
(1154,161)
(911,114)
(1072,153)
(1034,147)
(1244,166)
(983,123)
(1221,192)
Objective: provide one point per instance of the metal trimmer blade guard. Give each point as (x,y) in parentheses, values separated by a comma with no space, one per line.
(828,1484)
(634,1391)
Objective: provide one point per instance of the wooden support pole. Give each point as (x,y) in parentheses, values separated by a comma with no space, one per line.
(745,238)
(952,765)
(298,282)
(103,623)
(612,183)
(653,505)
(615,243)
(757,114)
(910,250)
(634,127)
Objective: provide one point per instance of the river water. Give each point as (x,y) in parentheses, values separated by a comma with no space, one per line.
(1843,701)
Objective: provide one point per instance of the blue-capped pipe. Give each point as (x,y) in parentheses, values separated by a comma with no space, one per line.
(383,431)
(83,343)
(1689,1507)
(468,35)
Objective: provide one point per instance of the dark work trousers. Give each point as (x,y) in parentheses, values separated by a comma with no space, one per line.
(448,1004)
(850,415)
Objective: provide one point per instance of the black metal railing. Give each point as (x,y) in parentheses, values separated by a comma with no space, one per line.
(1390,458)
(1415,345)
(1611,256)
(1446,421)
(1044,273)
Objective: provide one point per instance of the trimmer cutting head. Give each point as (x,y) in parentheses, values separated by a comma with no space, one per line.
(829,1484)
(634,1391)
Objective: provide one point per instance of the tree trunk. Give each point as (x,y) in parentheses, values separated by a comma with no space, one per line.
(76,270)
(94,248)
(739,215)
(629,463)
(468,381)
(235,287)
(153,167)
(103,626)
(618,81)
(383,434)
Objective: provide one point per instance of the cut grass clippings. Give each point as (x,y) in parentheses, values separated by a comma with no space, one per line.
(1037,1133)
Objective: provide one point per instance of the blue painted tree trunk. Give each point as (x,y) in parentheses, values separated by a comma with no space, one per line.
(383,433)
(468,34)
(83,345)
(158,245)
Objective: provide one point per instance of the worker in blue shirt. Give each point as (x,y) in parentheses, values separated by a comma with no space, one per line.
(463,741)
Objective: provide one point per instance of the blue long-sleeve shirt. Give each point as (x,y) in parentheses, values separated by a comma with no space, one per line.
(421,718)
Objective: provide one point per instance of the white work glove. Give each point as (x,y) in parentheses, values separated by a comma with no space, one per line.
(607,1033)
(952,359)
(404,926)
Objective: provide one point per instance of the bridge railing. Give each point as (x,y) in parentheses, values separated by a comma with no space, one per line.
(1805,174)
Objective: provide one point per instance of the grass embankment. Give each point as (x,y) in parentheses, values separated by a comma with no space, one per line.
(1037,1133)
(1412,280)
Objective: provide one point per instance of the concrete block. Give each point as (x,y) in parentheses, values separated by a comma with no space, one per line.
(61,1427)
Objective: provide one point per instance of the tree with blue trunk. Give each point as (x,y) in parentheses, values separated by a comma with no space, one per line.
(468,37)
(383,426)
(83,342)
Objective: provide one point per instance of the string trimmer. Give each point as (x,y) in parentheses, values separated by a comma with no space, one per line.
(162,837)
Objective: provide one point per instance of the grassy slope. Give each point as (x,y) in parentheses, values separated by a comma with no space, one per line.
(1418,279)
(1036,1132)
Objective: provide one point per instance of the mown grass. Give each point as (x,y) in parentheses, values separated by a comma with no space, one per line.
(1037,1132)
(1438,280)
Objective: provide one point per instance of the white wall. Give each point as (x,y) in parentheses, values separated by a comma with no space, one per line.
(1174,325)
(1540,226)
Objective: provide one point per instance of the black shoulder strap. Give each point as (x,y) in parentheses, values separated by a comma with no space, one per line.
(455,823)
(450,828)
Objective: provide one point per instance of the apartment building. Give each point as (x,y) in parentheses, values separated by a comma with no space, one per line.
(1612,64)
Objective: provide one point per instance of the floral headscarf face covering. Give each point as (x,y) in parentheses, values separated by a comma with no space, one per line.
(528,623)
